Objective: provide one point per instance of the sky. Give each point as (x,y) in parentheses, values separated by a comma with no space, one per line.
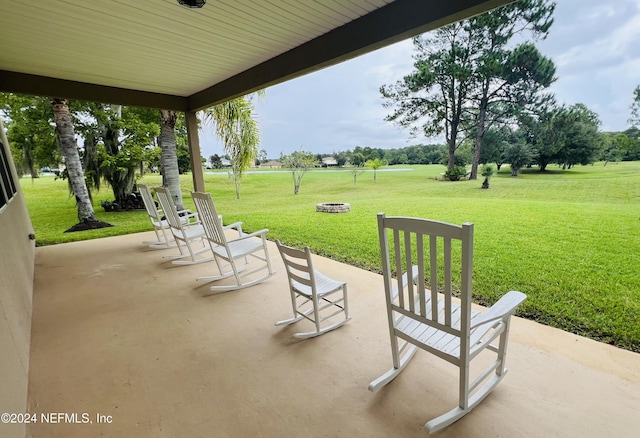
(595,45)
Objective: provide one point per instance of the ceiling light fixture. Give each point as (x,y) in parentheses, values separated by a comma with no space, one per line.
(192,3)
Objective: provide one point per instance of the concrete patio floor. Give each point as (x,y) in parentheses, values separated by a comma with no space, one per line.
(122,333)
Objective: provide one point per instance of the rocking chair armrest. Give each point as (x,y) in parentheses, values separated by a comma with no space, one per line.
(503,307)
(235,225)
(186,215)
(259,233)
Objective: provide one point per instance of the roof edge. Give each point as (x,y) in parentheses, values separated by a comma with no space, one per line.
(23,83)
(389,24)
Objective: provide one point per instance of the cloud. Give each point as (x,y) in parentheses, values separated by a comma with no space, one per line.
(595,47)
(594,44)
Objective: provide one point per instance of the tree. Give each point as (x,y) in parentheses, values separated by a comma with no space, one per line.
(493,145)
(116,141)
(299,163)
(356,171)
(613,145)
(546,132)
(375,165)
(357,158)
(235,125)
(509,78)
(471,73)
(634,120)
(518,155)
(30,133)
(487,171)
(432,98)
(69,147)
(262,156)
(631,149)
(216,161)
(582,140)
(169,156)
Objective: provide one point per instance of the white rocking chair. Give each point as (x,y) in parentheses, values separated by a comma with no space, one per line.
(229,253)
(431,320)
(312,293)
(160,225)
(186,230)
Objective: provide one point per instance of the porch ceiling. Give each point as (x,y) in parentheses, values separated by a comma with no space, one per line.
(159,54)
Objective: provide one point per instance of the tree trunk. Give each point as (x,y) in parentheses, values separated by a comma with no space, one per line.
(169,156)
(482,117)
(28,159)
(69,147)
(452,149)
(236,181)
(296,184)
(121,180)
(453,140)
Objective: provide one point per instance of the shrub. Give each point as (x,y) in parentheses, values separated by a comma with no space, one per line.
(456,173)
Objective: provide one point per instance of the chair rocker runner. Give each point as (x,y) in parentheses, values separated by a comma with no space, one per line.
(234,257)
(312,293)
(186,230)
(430,319)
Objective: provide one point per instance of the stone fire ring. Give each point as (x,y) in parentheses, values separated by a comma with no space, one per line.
(333,207)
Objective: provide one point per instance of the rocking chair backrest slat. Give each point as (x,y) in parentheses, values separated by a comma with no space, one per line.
(299,265)
(169,208)
(149,202)
(439,250)
(209,218)
(433,257)
(448,289)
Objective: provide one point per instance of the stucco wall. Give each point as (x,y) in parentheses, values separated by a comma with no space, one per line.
(16,288)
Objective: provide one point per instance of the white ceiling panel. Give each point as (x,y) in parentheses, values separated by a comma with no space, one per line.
(160,47)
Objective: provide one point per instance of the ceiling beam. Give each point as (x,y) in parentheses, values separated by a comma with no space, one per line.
(392,23)
(23,83)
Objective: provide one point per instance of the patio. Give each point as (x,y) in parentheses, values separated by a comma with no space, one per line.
(120,332)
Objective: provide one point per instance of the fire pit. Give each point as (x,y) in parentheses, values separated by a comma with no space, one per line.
(333,207)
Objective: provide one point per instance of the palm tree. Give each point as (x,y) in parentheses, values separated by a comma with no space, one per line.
(169,156)
(239,132)
(69,148)
(487,171)
(375,165)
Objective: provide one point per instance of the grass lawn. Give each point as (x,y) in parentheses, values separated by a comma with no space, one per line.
(569,239)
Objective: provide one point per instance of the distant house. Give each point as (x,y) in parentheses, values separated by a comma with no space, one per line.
(272,164)
(329,162)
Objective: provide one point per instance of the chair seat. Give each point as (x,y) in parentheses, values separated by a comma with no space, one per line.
(440,340)
(324,285)
(238,248)
(193,231)
(163,223)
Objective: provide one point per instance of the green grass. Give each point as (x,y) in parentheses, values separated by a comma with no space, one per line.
(570,239)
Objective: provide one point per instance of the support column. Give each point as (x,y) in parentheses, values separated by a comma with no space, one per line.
(194,151)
